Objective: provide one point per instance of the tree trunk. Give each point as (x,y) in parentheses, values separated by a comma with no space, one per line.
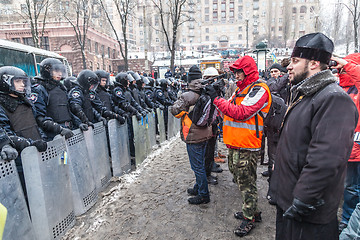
(83,57)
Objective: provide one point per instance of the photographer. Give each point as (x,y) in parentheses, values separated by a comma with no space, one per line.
(194,136)
(242,133)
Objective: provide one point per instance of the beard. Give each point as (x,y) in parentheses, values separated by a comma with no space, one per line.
(301,75)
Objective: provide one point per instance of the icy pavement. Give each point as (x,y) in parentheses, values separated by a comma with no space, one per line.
(151,203)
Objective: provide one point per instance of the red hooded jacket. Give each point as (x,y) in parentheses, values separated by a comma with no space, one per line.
(254,103)
(350,82)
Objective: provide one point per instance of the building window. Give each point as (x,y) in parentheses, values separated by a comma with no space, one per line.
(207,38)
(16,40)
(294,10)
(231,14)
(240,29)
(114,54)
(206,10)
(207,18)
(240,37)
(215,14)
(302,17)
(108,52)
(157,40)
(207,30)
(28,41)
(280,20)
(102,50)
(45,43)
(280,29)
(96,48)
(24,8)
(302,9)
(240,16)
(240,8)
(89,45)
(223,7)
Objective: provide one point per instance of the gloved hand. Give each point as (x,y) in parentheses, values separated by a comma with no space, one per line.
(8,153)
(66,132)
(108,114)
(211,91)
(143,113)
(84,127)
(51,126)
(90,124)
(138,116)
(41,145)
(103,120)
(299,209)
(120,118)
(19,142)
(126,115)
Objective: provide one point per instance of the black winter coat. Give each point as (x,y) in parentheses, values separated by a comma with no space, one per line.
(314,146)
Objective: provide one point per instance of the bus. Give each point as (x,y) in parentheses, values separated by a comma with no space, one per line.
(26,57)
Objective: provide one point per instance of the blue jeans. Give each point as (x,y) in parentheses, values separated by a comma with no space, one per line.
(196,152)
(352,190)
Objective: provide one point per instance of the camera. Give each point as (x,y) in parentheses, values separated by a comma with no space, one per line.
(332,63)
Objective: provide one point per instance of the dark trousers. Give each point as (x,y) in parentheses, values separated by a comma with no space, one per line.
(272,145)
(288,229)
(209,155)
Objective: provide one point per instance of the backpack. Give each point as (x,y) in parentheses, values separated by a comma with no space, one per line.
(275,116)
(204,112)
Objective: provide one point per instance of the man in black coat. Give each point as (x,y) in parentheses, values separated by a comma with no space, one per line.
(315,143)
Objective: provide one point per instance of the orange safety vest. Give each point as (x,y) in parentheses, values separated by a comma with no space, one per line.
(185,123)
(246,134)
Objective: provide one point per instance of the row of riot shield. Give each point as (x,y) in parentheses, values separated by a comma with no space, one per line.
(64,181)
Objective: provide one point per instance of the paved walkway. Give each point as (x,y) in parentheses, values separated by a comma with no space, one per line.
(151,203)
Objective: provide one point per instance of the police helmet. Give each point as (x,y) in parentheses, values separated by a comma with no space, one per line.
(103,74)
(151,82)
(122,79)
(70,82)
(12,79)
(52,68)
(135,75)
(164,83)
(87,79)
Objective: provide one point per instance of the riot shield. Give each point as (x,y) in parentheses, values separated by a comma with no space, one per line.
(49,189)
(139,139)
(18,224)
(119,147)
(151,131)
(170,125)
(96,144)
(161,126)
(81,175)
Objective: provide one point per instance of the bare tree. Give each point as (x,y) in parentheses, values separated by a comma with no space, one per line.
(124,9)
(172,15)
(354,8)
(36,12)
(80,24)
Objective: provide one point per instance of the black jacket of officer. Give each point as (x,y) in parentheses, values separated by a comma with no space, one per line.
(50,100)
(16,112)
(162,95)
(140,87)
(104,94)
(123,97)
(150,93)
(79,99)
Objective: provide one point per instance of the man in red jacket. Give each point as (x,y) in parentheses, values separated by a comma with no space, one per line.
(349,76)
(242,133)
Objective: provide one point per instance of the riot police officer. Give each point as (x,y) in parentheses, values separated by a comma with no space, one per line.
(105,97)
(79,99)
(150,93)
(163,97)
(140,84)
(16,113)
(49,97)
(134,90)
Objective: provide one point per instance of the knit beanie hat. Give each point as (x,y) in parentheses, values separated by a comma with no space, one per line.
(278,67)
(194,73)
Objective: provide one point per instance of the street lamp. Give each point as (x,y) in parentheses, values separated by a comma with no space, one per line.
(247,33)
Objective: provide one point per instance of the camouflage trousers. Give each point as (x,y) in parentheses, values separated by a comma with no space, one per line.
(242,164)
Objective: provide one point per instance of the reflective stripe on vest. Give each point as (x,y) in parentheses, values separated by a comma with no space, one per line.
(242,134)
(243,125)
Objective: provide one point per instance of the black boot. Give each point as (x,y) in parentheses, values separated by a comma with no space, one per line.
(212,180)
(199,200)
